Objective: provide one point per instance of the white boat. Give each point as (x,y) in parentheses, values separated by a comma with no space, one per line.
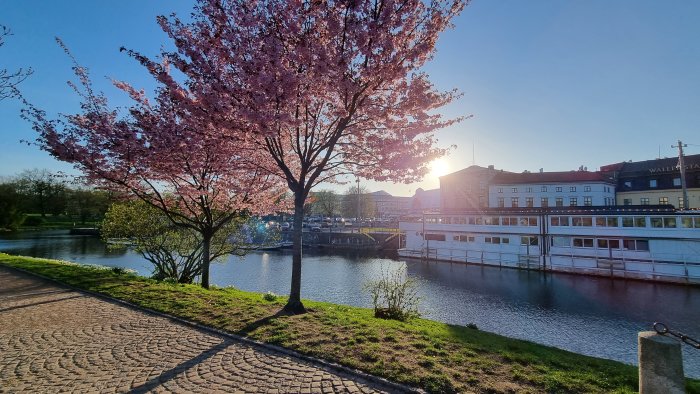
(632,242)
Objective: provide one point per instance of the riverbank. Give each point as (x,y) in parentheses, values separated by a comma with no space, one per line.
(435,356)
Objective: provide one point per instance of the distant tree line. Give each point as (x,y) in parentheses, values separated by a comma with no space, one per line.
(33,197)
(353,203)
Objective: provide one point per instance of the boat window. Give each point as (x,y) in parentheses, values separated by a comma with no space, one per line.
(523,221)
(669,222)
(561,241)
(447,220)
(628,244)
(657,223)
(505,240)
(462,238)
(528,240)
(602,243)
(560,220)
(697,222)
(600,221)
(479,220)
(532,221)
(472,220)
(627,222)
(614,243)
(687,222)
(640,221)
(585,221)
(434,237)
(642,244)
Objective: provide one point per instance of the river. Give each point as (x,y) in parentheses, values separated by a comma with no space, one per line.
(594,316)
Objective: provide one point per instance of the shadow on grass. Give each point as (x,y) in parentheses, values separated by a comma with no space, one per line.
(249,328)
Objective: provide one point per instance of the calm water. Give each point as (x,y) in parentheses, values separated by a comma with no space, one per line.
(594,316)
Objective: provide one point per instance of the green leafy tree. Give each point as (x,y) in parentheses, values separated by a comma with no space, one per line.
(326,203)
(357,203)
(174,251)
(85,204)
(43,192)
(11,214)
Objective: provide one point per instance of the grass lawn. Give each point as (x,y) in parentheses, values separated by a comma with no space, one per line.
(435,356)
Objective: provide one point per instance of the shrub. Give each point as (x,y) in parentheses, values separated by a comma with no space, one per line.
(33,221)
(118,270)
(394,295)
(270,296)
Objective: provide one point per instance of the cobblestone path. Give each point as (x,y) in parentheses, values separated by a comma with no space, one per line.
(53,339)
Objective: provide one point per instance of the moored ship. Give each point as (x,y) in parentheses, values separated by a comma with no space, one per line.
(641,242)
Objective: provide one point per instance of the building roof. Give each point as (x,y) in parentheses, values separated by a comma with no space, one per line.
(549,177)
(632,168)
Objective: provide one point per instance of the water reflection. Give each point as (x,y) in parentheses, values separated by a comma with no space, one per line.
(595,316)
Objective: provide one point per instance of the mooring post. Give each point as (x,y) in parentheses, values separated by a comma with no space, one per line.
(660,364)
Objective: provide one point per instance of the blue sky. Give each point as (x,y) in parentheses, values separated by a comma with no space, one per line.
(550,84)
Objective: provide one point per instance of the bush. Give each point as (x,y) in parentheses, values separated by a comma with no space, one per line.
(394,295)
(270,296)
(33,221)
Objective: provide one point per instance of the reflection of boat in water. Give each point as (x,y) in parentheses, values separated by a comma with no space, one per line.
(277,246)
(270,246)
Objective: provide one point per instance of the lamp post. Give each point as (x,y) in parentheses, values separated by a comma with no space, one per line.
(358,199)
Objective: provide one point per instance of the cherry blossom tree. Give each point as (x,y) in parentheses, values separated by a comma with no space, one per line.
(324,88)
(162,151)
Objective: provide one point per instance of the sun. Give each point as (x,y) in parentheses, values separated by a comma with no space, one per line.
(439,167)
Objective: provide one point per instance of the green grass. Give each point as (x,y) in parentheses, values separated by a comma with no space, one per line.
(435,356)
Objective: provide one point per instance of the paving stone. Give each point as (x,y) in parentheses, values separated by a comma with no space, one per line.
(53,339)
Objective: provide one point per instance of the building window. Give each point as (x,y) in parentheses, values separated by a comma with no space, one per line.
(543,189)
(514,190)
(663,200)
(573,201)
(627,201)
(586,188)
(529,202)
(558,188)
(500,190)
(544,202)
(644,201)
(588,201)
(572,189)
(676,181)
(653,183)
(501,202)
(514,202)
(528,190)
(559,202)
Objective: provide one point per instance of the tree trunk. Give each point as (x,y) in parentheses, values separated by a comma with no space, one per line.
(206,245)
(294,304)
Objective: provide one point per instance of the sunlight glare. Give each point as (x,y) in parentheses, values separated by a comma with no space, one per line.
(439,168)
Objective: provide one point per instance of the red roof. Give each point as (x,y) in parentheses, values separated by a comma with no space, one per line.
(550,177)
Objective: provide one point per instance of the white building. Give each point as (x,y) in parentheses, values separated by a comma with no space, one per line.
(551,189)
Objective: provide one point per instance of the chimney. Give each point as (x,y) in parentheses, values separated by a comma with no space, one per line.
(541,170)
(491,167)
